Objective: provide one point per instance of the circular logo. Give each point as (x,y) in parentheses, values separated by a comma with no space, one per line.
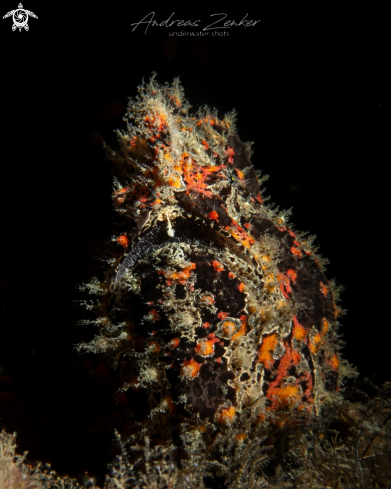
(20,18)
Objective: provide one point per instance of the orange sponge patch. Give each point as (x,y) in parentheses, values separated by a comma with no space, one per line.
(217,266)
(268,346)
(206,348)
(213,215)
(228,328)
(299,332)
(174,343)
(123,241)
(190,369)
(287,395)
(334,362)
(227,415)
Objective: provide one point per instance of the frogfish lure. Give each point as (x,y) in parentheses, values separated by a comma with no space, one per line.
(211,305)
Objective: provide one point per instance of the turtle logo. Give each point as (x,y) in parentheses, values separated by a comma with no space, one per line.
(20,17)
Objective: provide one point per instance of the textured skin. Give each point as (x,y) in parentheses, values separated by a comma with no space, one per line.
(214,305)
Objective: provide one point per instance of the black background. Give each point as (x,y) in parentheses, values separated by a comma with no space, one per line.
(308,84)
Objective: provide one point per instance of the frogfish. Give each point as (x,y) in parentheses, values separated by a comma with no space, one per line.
(212,308)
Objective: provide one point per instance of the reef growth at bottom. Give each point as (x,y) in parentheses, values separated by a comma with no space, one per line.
(348,446)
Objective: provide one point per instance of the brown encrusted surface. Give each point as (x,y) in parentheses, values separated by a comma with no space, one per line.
(214,303)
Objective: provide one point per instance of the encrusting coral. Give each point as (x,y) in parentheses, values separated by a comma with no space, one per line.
(219,322)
